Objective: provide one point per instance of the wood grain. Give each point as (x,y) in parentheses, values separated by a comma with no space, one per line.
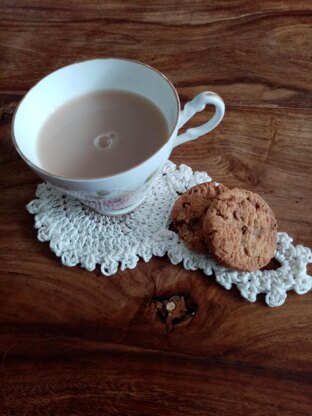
(75,343)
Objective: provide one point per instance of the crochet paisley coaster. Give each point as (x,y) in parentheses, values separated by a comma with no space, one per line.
(81,236)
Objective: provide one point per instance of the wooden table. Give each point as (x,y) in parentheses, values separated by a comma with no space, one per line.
(77,343)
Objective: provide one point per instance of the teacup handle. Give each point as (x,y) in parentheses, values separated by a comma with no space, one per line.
(198,103)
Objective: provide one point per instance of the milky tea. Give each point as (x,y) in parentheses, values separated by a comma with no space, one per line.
(100,134)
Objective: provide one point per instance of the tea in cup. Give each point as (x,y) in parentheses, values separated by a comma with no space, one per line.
(102,129)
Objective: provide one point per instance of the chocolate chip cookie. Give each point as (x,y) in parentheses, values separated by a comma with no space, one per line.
(240,230)
(189,211)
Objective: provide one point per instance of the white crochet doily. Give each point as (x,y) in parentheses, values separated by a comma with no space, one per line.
(80,235)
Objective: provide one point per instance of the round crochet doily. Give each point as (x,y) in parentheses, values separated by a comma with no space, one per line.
(82,236)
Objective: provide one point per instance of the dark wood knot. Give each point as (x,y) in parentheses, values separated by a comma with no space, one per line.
(175,310)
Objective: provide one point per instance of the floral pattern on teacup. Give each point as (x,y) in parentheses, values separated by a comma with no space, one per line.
(151,176)
(115,200)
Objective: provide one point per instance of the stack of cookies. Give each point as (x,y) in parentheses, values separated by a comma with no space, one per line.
(236,226)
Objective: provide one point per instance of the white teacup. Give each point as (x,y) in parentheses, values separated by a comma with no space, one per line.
(121,193)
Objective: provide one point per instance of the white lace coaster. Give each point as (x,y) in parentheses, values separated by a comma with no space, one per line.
(80,235)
